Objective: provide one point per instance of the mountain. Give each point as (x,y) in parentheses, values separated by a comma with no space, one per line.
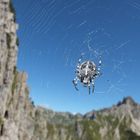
(20,119)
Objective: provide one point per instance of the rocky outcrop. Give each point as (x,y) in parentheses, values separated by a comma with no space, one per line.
(8,52)
(14,101)
(8,57)
(21,120)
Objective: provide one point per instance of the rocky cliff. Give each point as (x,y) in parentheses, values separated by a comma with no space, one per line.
(21,120)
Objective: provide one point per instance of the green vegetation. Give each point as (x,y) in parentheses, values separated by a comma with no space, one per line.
(17,41)
(50,129)
(8,38)
(27,91)
(38,130)
(15,70)
(10,102)
(91,129)
(131,135)
(1,121)
(113,122)
(60,119)
(12,10)
(14,82)
(31,101)
(123,128)
(112,125)
(33,104)
(70,129)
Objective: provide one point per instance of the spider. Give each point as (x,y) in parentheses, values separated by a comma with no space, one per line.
(86,72)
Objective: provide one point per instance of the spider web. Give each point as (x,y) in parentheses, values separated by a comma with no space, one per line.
(95,43)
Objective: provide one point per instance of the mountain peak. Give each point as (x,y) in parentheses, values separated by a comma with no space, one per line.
(128,101)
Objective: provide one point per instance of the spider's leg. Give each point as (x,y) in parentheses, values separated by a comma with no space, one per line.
(75,81)
(93,86)
(89,87)
(98,73)
(100,63)
(80,59)
(93,89)
(76,88)
(99,68)
(79,62)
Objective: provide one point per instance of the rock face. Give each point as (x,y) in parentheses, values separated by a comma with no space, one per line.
(21,120)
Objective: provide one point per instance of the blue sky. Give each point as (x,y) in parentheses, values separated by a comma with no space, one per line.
(53,34)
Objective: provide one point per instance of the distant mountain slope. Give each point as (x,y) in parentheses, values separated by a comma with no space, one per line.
(21,120)
(120,122)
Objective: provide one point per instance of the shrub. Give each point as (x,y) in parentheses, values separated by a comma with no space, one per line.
(12,10)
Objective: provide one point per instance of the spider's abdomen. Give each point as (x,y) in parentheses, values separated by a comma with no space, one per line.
(86,71)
